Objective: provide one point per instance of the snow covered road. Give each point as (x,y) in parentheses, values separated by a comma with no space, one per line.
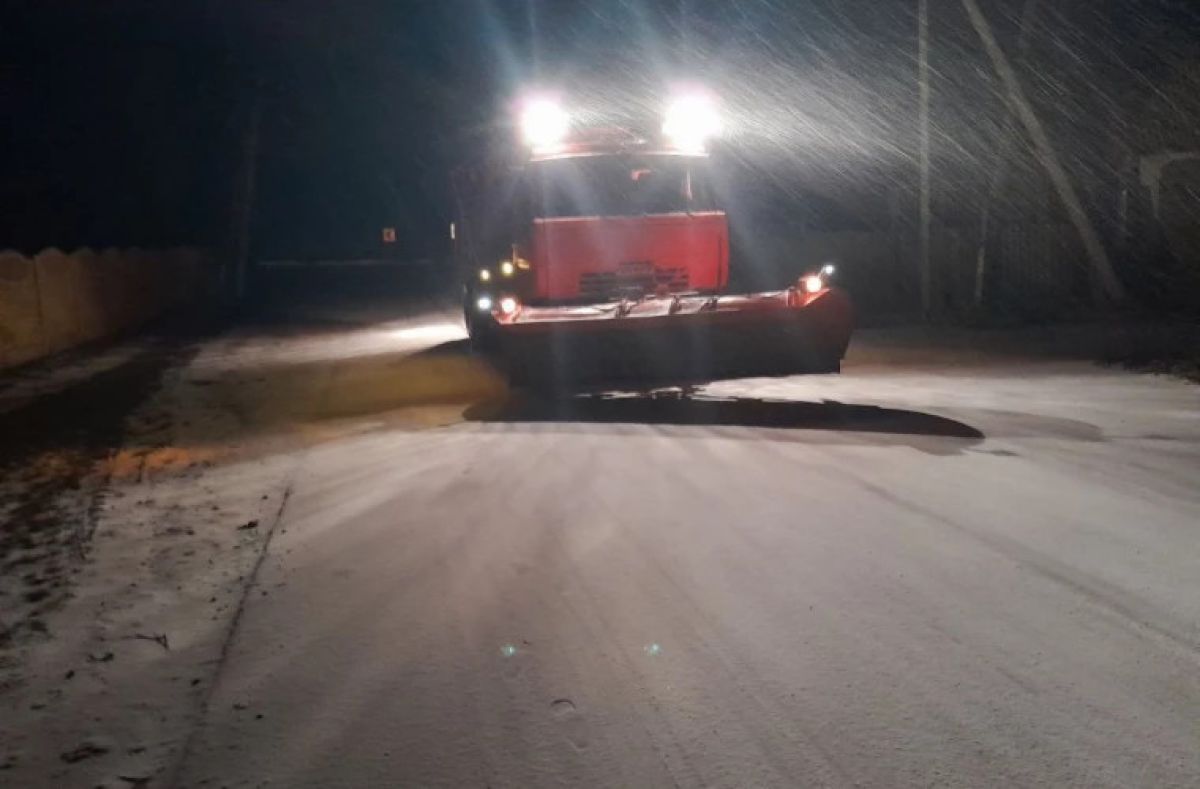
(981,574)
(943,567)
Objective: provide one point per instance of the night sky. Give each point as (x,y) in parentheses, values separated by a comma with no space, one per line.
(126,119)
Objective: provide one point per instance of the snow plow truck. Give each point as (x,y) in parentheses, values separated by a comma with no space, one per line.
(601,257)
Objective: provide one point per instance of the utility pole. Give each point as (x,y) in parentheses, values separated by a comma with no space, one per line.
(926,217)
(997,178)
(1105,279)
(243,204)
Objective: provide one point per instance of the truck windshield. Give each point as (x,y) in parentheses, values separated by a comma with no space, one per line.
(619,186)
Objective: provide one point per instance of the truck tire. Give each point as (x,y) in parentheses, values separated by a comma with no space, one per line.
(481,330)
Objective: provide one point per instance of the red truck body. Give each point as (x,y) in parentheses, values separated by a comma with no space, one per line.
(594,257)
(610,263)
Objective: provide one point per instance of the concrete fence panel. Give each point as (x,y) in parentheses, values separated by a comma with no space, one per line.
(56,300)
(20,322)
(56,294)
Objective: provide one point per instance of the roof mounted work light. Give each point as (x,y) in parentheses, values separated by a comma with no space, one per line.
(691,120)
(544,123)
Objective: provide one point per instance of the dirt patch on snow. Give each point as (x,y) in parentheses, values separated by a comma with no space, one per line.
(136,503)
(51,478)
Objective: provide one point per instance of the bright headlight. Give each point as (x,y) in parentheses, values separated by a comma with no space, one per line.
(543,123)
(691,120)
(813,283)
(507,268)
(508,305)
(485,275)
(483,303)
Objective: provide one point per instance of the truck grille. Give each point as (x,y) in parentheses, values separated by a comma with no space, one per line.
(635,278)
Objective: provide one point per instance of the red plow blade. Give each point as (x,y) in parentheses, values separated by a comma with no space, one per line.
(676,340)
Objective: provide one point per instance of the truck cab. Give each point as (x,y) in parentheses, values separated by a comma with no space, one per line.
(609,218)
(601,255)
